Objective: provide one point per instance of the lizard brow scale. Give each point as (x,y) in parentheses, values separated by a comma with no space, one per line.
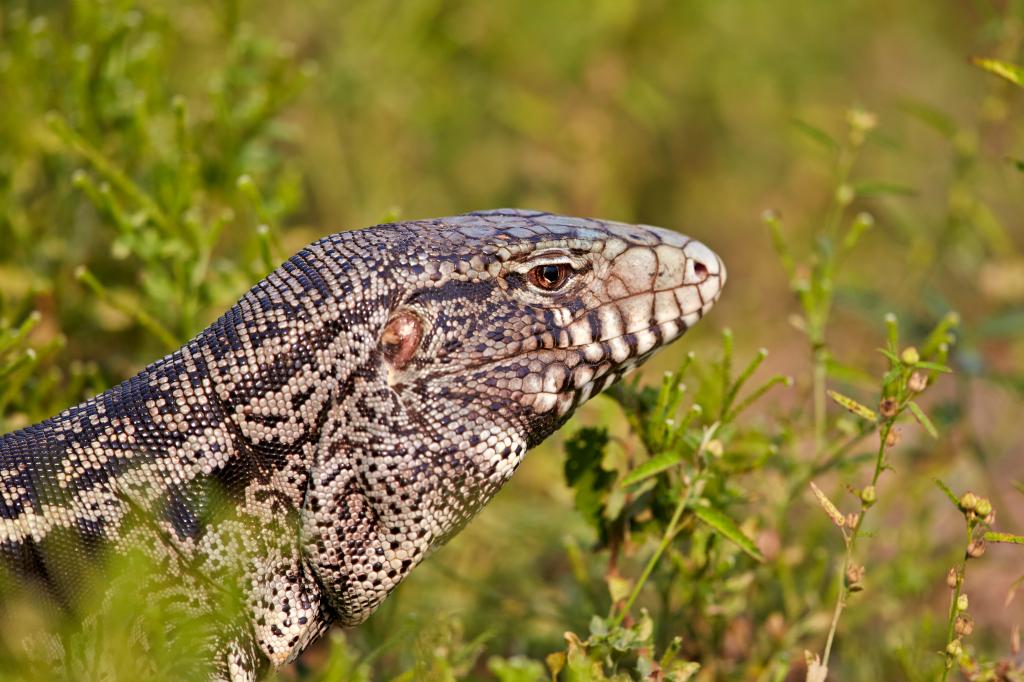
(348,415)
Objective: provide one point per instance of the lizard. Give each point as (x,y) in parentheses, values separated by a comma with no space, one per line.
(347,416)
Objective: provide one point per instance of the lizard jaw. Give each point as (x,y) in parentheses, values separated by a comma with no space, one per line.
(605,344)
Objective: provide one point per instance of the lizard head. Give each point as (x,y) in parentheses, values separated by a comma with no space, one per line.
(486,331)
(531,314)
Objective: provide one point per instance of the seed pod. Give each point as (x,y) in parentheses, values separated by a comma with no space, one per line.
(888,407)
(977,548)
(854,574)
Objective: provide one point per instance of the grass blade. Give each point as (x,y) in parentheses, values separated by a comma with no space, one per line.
(1011,72)
(862,411)
(992,536)
(949,493)
(727,528)
(923,419)
(652,467)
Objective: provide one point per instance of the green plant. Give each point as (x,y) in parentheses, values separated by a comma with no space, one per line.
(979,516)
(910,372)
(157,159)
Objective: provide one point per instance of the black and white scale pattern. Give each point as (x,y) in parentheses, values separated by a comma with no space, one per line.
(348,415)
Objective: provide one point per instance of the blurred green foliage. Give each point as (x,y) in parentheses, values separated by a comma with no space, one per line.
(157,158)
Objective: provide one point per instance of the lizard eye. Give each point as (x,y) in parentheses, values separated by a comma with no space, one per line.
(550,276)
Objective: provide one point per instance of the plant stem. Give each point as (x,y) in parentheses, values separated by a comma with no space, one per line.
(666,539)
(818,305)
(820,379)
(838,611)
(954,598)
(851,541)
(670,529)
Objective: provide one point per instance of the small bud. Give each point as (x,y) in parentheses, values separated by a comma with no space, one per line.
(714,447)
(888,407)
(854,574)
(918,382)
(852,520)
(968,502)
(977,548)
(910,356)
(845,194)
(964,625)
(868,495)
(954,648)
(861,119)
(983,507)
(1015,640)
(951,579)
(893,437)
(962,602)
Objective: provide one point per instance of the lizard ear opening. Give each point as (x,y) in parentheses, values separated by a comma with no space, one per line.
(401,338)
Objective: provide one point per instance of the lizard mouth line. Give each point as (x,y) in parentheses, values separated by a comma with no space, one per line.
(601,352)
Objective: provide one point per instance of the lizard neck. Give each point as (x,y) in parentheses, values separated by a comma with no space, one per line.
(236,413)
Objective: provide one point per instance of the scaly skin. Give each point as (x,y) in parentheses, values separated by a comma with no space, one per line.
(350,414)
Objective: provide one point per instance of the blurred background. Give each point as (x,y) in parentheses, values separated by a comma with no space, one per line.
(157,158)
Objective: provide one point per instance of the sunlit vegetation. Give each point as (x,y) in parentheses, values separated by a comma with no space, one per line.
(824,478)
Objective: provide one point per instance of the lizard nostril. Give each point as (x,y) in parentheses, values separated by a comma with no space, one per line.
(700,270)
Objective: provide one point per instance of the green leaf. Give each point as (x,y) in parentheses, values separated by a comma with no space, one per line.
(655,465)
(933,366)
(728,529)
(923,419)
(817,135)
(937,120)
(949,493)
(515,669)
(1011,72)
(556,663)
(585,450)
(585,475)
(992,536)
(598,626)
(853,406)
(878,188)
(892,357)
(618,589)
